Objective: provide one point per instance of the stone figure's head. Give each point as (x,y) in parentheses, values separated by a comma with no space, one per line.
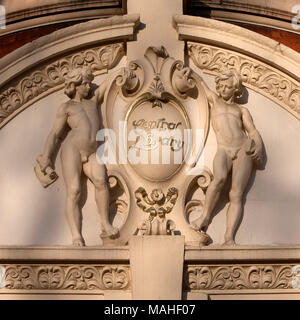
(229,84)
(79,80)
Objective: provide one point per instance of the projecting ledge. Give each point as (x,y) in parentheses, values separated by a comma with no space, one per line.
(117,254)
(242,253)
(64,254)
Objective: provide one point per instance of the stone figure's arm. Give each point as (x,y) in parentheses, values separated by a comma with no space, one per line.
(60,123)
(211,95)
(256,150)
(100,91)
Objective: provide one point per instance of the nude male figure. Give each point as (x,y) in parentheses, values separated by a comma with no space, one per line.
(239,147)
(78,152)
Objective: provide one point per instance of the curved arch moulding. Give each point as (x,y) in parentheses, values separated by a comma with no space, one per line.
(38,68)
(265,65)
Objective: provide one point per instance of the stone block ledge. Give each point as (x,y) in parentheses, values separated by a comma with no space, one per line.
(218,254)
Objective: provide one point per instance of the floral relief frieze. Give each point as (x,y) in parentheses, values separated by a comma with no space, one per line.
(67,277)
(238,277)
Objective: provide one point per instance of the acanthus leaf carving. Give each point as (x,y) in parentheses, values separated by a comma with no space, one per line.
(67,277)
(231,277)
(85,278)
(50,277)
(115,278)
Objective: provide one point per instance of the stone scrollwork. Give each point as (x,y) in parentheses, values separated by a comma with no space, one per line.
(119,204)
(182,80)
(49,77)
(130,79)
(158,205)
(255,74)
(238,277)
(62,277)
(196,196)
(194,201)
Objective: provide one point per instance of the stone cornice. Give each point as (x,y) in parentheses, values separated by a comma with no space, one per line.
(22,15)
(216,253)
(270,13)
(274,8)
(235,254)
(118,28)
(38,68)
(265,65)
(210,270)
(64,254)
(235,38)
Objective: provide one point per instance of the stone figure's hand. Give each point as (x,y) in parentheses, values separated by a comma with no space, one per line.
(43,162)
(256,153)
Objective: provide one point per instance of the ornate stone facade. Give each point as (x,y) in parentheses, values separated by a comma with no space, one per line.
(160,218)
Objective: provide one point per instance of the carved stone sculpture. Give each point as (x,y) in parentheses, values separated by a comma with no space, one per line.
(239,147)
(158,205)
(80,117)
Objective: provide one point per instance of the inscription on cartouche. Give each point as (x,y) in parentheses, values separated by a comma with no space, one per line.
(150,141)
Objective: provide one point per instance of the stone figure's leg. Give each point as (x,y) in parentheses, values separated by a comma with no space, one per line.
(221,166)
(241,172)
(72,168)
(97,174)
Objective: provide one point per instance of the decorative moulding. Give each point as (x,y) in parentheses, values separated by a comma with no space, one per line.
(274,8)
(25,77)
(265,65)
(22,15)
(271,13)
(95,32)
(238,277)
(67,277)
(235,38)
(242,269)
(41,81)
(61,255)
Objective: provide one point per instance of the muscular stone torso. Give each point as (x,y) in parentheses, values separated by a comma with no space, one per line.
(227,124)
(83,120)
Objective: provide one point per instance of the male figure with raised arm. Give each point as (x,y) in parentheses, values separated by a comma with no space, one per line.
(239,147)
(80,117)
